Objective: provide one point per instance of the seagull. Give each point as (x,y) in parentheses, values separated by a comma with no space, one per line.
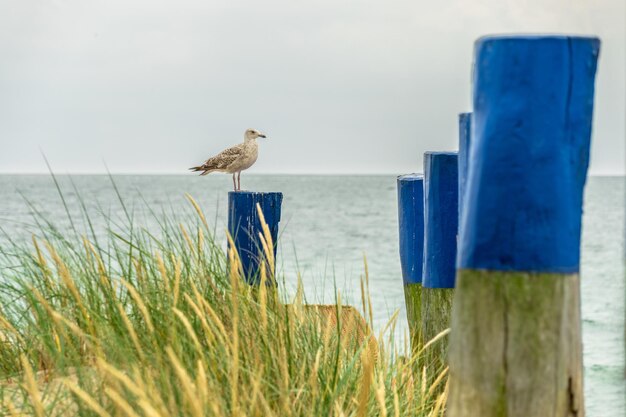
(235,159)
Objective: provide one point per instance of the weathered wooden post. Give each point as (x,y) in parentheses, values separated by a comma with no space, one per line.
(244,226)
(411,228)
(465,125)
(515,346)
(440,225)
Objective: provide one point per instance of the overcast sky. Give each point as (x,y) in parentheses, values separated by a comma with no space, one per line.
(339,86)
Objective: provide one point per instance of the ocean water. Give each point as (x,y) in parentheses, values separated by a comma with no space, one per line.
(331,224)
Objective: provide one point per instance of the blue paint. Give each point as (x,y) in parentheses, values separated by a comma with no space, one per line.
(531,127)
(441,218)
(244,226)
(465,125)
(411,226)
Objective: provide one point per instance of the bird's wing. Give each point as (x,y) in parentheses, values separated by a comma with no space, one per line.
(223,159)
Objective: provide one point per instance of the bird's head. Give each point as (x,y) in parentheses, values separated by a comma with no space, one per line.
(252,134)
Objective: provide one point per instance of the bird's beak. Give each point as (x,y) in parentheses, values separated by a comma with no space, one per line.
(262,135)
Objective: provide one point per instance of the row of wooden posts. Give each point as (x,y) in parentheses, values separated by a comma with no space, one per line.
(490,235)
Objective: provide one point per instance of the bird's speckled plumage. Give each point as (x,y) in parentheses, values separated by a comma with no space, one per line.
(234,159)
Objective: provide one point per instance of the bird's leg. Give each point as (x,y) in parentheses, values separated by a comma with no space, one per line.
(234,183)
(239,180)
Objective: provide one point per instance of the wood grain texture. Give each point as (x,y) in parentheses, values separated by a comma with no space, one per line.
(515,346)
(436,312)
(413,301)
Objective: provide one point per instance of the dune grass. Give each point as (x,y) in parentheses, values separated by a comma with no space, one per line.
(160,323)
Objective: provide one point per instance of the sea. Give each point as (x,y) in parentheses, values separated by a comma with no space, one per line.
(332,229)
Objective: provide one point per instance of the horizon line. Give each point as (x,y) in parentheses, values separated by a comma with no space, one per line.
(169,173)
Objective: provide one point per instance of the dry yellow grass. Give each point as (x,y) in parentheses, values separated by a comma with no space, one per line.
(166,332)
(351,328)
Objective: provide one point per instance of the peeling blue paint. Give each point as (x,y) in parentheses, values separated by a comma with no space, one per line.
(244,225)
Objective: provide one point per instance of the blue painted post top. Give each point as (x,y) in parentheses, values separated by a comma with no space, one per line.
(531,127)
(465,124)
(440,218)
(411,226)
(244,226)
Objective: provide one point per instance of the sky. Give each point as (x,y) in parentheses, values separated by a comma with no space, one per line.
(338,86)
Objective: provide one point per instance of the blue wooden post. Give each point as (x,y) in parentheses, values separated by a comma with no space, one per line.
(244,226)
(440,224)
(411,233)
(515,347)
(465,126)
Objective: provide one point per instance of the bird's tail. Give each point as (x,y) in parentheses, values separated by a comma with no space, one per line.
(202,168)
